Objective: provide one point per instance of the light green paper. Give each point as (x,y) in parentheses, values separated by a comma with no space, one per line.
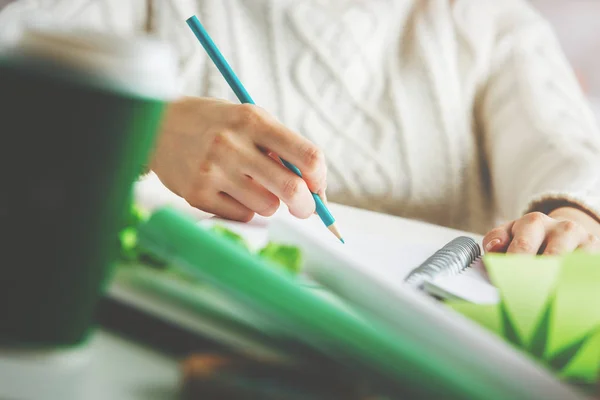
(585,366)
(576,312)
(563,293)
(487,315)
(287,257)
(524,303)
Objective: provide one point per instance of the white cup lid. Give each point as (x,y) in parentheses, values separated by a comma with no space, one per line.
(140,65)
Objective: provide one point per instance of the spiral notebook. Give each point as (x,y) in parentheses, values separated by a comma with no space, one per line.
(454,271)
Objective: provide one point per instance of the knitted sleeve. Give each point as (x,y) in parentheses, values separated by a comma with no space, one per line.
(540,136)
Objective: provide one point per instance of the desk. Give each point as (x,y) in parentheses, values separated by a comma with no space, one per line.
(138,371)
(132,385)
(122,369)
(108,367)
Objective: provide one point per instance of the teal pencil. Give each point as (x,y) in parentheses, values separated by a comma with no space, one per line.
(244,97)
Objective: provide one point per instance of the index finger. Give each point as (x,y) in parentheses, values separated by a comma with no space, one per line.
(529,234)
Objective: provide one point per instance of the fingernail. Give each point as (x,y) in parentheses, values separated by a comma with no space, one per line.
(492,244)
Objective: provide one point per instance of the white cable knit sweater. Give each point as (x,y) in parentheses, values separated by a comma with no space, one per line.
(454,112)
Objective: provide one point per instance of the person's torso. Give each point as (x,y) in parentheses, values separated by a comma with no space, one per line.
(385,87)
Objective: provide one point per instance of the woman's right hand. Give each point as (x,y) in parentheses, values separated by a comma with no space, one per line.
(220,157)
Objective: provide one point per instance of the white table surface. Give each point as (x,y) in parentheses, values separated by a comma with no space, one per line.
(122,369)
(107,367)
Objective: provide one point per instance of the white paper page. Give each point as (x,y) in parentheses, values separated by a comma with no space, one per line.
(463,287)
(378,255)
(393,260)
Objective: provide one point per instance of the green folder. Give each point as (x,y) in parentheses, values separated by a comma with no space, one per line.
(402,368)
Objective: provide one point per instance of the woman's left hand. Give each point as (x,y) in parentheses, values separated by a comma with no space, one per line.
(562,231)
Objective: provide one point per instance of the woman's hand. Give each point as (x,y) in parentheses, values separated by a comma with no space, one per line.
(220,158)
(562,231)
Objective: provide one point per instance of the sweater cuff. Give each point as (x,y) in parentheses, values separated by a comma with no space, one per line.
(549,201)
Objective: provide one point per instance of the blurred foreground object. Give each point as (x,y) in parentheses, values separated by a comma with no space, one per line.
(80,111)
(208,376)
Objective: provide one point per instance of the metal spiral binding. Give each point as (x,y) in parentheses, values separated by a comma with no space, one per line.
(451,259)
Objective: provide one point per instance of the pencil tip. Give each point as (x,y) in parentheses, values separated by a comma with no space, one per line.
(336,232)
(342,240)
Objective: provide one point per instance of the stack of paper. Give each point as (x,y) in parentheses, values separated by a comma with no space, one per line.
(550,307)
(397,340)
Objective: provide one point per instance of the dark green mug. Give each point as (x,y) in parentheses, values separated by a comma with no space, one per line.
(78,116)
